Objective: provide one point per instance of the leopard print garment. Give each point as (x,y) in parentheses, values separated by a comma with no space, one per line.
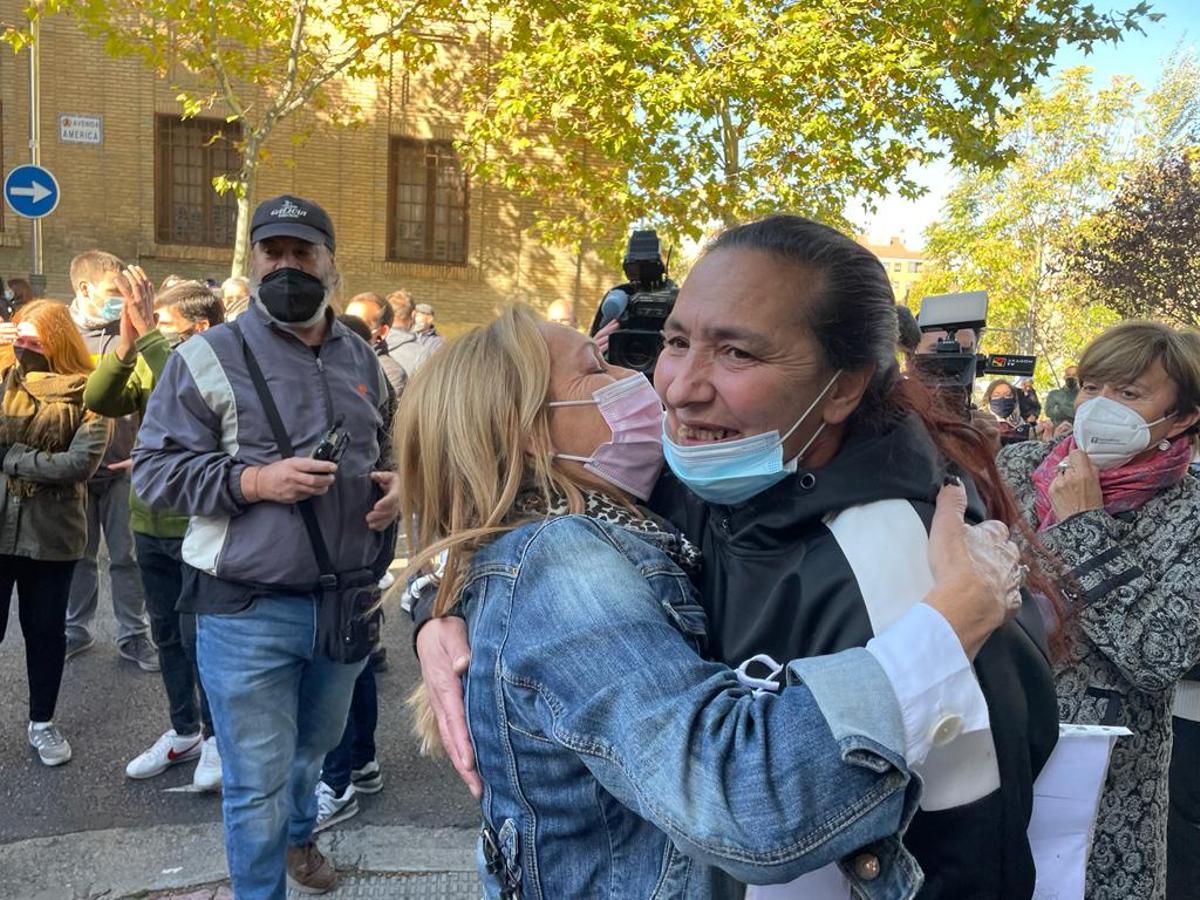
(643,522)
(1133,633)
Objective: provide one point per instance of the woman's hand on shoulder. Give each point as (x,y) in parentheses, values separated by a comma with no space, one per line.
(976,569)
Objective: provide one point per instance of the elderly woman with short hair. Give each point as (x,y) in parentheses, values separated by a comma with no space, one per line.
(1116,503)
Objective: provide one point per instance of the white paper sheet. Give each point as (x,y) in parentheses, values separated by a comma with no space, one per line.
(827,883)
(1066,798)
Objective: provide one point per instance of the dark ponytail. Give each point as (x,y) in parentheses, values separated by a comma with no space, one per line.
(852,314)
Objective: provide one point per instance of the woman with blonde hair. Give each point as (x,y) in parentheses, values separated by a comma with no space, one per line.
(616,761)
(49,447)
(1115,502)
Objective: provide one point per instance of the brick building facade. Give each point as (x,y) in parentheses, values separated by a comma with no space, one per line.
(405,214)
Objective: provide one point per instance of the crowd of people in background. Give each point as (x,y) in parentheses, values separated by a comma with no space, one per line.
(601,561)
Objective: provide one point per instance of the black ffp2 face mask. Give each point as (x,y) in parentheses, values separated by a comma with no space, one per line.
(291,295)
(31,360)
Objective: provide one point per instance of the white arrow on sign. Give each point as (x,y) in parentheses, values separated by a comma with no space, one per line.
(36,190)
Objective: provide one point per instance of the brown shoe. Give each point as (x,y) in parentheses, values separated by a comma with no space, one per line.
(308,871)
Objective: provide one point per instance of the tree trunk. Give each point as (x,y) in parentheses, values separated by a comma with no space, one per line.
(245,197)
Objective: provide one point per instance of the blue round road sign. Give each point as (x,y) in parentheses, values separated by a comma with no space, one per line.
(31,191)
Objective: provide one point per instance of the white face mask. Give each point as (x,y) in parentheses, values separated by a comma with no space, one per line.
(1111,433)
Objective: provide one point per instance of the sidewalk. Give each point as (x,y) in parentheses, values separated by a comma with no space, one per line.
(188,863)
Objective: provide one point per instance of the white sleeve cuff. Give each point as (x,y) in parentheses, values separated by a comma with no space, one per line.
(935,685)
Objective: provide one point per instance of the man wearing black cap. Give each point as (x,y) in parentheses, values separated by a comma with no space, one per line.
(208,448)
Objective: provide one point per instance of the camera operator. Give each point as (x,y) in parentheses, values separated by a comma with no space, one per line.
(280,638)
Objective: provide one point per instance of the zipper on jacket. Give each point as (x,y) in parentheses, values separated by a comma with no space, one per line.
(325,393)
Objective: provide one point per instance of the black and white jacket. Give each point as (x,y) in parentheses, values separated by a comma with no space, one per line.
(827,557)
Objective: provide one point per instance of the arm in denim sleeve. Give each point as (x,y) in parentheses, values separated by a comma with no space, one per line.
(757,785)
(1149,628)
(179,462)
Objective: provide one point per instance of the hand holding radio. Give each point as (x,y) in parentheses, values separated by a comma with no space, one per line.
(288,480)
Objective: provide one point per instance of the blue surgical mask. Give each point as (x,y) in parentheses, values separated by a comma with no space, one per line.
(111,310)
(732,472)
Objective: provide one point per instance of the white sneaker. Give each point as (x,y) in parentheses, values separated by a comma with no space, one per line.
(48,741)
(368,779)
(207,776)
(168,750)
(331,808)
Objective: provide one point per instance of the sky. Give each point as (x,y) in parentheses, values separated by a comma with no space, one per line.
(1139,55)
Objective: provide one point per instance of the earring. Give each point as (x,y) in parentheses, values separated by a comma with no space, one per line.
(1164,445)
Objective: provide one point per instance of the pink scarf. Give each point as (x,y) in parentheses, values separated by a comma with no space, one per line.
(1124,488)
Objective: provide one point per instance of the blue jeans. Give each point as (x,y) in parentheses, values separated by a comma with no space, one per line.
(278,707)
(357,747)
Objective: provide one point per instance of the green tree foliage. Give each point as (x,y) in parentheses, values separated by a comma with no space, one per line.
(257,62)
(682,115)
(1001,229)
(1140,255)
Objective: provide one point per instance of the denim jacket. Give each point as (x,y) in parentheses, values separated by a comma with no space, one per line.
(618,763)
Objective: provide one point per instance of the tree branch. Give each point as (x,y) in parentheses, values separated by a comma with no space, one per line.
(312,85)
(223,79)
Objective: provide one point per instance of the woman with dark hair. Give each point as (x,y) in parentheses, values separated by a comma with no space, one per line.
(1001,400)
(49,447)
(804,468)
(1116,503)
(608,747)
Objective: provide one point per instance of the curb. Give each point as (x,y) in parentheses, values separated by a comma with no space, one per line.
(133,862)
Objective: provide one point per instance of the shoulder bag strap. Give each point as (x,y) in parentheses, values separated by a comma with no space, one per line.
(324,563)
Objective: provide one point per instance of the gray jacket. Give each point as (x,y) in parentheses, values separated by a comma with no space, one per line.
(204,425)
(404,347)
(101,339)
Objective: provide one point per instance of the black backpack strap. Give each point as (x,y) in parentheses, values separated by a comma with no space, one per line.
(286,450)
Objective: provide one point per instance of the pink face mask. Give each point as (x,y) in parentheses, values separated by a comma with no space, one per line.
(633,458)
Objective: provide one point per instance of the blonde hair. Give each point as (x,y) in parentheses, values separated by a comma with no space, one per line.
(1122,353)
(471,434)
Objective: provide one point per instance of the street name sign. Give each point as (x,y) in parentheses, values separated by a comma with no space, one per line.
(73,129)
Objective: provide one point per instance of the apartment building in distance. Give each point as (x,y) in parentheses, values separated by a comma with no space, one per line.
(904,266)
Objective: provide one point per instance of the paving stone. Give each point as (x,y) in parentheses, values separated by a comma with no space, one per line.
(369,886)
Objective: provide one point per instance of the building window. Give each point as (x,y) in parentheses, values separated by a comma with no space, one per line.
(427,208)
(914,267)
(190,154)
(896,267)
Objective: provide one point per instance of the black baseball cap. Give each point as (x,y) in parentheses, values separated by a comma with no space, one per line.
(289,216)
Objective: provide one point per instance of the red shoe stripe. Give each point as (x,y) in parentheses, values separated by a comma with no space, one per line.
(172,756)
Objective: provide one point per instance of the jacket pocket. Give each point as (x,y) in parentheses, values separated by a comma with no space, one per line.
(685,614)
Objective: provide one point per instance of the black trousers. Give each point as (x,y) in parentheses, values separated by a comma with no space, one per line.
(1183,829)
(161,565)
(43,588)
